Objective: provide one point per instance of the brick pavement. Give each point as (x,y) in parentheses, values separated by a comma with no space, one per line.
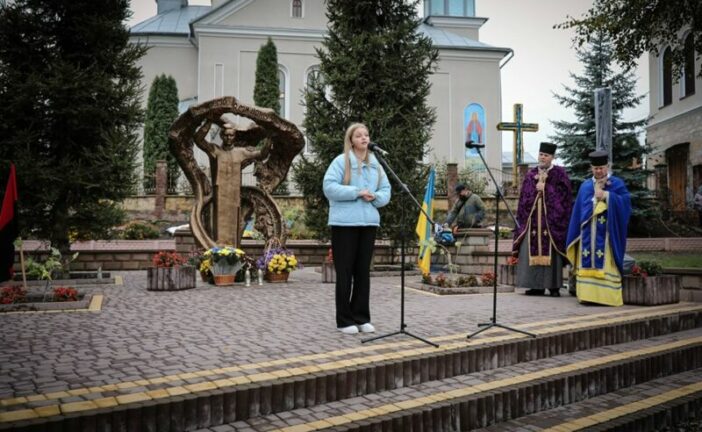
(173,338)
(140,334)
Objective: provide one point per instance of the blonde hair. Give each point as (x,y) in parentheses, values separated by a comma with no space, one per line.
(348,146)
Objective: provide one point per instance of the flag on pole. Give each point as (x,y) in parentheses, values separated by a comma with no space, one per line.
(424,227)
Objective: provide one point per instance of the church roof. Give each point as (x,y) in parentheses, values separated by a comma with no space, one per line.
(444,39)
(177,22)
(173,22)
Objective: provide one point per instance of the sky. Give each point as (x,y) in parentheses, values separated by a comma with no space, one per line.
(543,59)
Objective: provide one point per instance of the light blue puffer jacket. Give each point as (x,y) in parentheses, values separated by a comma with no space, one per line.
(345,207)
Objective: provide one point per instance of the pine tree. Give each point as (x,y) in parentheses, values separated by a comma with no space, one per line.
(374,68)
(70,109)
(576,139)
(266,90)
(161,112)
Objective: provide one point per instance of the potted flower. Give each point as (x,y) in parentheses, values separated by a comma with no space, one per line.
(328,271)
(277,263)
(508,272)
(647,286)
(169,273)
(225,262)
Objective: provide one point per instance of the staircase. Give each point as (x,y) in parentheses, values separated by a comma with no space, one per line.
(628,370)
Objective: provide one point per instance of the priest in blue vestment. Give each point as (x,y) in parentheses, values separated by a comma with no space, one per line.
(597,234)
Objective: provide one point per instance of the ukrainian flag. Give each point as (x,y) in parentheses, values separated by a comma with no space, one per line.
(424,227)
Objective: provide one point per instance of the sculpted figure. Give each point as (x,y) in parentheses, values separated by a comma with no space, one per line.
(218,215)
(227,162)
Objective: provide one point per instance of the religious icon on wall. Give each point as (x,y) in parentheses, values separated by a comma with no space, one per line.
(474,127)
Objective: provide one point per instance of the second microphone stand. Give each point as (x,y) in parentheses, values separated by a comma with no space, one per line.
(498,195)
(402,260)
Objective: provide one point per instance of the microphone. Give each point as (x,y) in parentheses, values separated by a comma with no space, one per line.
(376,148)
(471,144)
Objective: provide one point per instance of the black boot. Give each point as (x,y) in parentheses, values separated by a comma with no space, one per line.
(534,292)
(554,293)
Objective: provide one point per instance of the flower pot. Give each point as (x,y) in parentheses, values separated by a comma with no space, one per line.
(651,290)
(224,279)
(170,278)
(508,275)
(328,272)
(277,277)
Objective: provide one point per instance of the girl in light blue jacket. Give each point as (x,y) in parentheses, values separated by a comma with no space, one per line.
(356,186)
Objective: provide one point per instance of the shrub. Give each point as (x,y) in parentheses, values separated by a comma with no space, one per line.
(12,294)
(64,294)
(651,268)
(488,278)
(140,231)
(168,259)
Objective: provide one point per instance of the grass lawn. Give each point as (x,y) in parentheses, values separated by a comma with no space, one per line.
(671,259)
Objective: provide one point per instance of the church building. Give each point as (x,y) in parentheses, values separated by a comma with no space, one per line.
(211,52)
(674,129)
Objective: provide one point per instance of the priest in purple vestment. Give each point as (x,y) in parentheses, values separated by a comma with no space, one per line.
(545,203)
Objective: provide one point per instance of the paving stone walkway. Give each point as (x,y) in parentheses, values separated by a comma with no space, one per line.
(140,334)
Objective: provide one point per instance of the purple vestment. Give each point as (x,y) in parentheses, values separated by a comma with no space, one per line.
(543,218)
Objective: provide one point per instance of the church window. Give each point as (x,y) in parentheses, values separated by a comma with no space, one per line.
(282,88)
(462,8)
(297,8)
(666,77)
(687,85)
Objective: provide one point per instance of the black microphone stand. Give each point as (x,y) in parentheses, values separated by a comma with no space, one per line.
(402,260)
(498,195)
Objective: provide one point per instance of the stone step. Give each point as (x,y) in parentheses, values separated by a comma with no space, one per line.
(195,400)
(483,398)
(660,404)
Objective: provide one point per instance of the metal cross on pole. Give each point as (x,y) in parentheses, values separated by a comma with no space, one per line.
(518,127)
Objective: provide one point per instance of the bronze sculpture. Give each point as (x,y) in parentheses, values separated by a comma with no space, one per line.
(219,212)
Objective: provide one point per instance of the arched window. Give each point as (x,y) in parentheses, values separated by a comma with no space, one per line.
(283,91)
(666,77)
(312,73)
(297,9)
(687,86)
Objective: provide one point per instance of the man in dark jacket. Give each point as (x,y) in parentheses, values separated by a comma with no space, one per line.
(468,211)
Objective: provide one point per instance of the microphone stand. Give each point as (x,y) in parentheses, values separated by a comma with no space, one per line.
(402,260)
(498,194)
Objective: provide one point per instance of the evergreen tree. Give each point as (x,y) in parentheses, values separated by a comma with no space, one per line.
(374,68)
(576,139)
(266,91)
(70,109)
(161,112)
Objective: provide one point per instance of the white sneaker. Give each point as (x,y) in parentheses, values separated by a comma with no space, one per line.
(366,328)
(349,330)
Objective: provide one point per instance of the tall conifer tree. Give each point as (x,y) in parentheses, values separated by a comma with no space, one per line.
(374,68)
(266,89)
(576,139)
(70,109)
(161,112)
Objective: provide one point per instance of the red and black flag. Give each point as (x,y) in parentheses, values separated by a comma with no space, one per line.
(8,227)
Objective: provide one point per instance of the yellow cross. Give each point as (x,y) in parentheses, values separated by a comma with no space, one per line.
(602,220)
(586,252)
(518,127)
(599,253)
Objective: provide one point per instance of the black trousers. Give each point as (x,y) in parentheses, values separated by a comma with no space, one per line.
(353,250)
